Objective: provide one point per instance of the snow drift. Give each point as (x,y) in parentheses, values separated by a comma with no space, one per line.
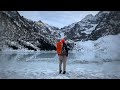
(105,47)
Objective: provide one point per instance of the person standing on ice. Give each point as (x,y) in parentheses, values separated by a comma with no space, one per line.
(62,52)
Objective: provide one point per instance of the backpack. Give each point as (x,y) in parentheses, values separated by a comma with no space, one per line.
(59,47)
(64,50)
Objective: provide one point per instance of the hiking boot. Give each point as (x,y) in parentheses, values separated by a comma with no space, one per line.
(64,72)
(60,71)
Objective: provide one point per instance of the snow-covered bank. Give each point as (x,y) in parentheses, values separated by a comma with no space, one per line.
(107,47)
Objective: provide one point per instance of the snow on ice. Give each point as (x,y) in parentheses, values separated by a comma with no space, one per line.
(89,60)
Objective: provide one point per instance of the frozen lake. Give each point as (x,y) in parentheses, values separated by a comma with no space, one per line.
(44,65)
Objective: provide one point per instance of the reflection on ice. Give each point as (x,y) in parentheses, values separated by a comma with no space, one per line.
(45,65)
(74,57)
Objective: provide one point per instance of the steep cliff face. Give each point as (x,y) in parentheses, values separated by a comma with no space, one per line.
(110,25)
(82,30)
(18,32)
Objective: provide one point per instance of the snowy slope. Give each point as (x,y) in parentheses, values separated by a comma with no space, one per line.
(87,18)
(107,46)
(88,31)
(93,27)
(81,29)
(54,30)
(108,25)
(110,42)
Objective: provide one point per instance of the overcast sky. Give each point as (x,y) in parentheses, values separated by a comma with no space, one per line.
(56,18)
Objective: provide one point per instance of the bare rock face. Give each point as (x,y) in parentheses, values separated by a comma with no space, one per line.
(93,27)
(109,25)
(18,32)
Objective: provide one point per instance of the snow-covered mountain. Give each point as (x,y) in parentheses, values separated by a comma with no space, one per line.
(54,30)
(81,30)
(51,27)
(88,18)
(109,25)
(18,32)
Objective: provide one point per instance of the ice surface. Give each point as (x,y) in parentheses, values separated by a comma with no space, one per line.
(89,60)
